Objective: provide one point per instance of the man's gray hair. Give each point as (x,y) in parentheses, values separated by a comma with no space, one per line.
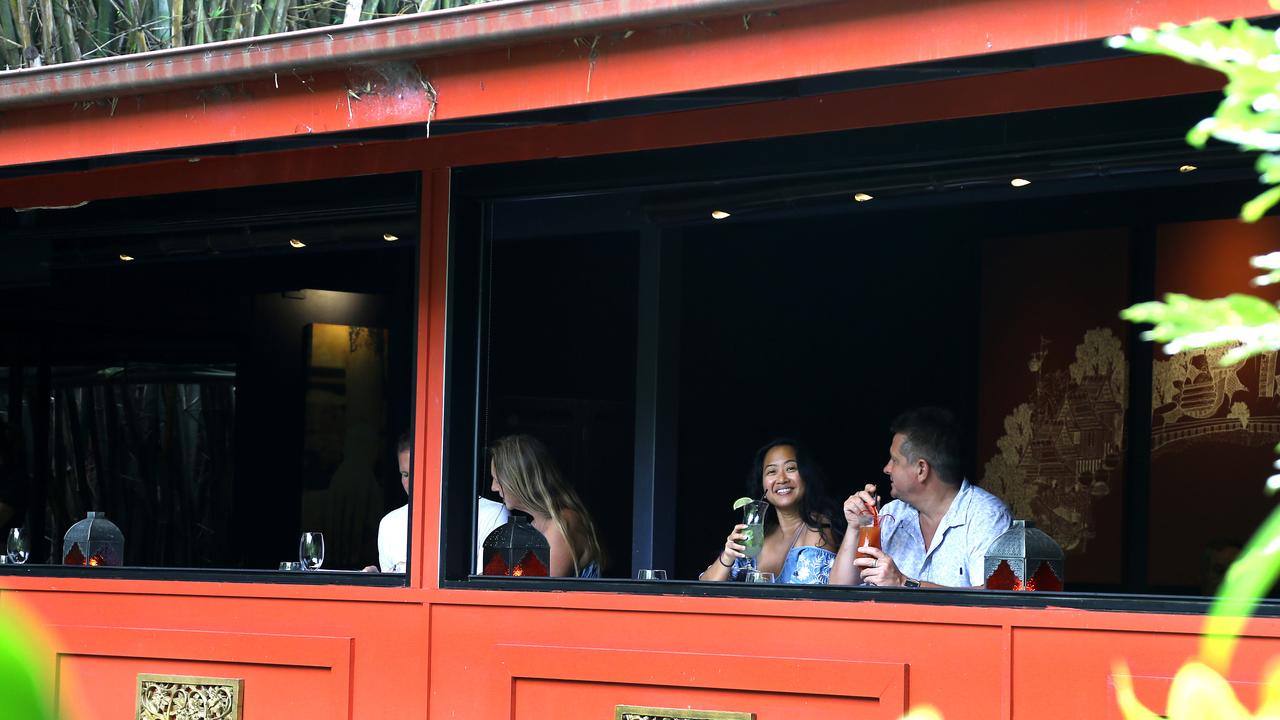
(932,433)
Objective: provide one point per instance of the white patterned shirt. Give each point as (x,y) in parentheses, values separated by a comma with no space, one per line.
(974,520)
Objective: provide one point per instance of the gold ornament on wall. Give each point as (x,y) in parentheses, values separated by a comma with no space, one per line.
(182,697)
(1062,448)
(636,712)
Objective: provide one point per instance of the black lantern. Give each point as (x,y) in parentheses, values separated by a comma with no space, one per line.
(517,549)
(1024,558)
(93,541)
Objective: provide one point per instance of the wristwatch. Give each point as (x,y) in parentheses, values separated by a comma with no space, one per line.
(909,583)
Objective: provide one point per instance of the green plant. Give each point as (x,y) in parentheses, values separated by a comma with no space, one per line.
(1248,116)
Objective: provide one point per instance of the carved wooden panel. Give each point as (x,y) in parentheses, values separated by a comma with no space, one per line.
(635,712)
(183,697)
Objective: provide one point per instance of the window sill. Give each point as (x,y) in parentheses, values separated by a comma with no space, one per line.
(979,598)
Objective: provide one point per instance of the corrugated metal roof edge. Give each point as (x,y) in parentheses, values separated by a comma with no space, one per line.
(469,28)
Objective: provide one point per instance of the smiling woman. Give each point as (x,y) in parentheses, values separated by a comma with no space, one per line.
(800,535)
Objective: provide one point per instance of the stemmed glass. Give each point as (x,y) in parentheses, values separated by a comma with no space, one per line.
(311,550)
(17,546)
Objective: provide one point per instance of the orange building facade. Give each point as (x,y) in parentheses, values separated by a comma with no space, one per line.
(438,650)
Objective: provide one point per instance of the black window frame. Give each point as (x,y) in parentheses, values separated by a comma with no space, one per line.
(475,191)
(275,577)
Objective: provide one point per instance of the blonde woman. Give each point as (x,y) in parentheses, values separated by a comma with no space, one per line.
(527,478)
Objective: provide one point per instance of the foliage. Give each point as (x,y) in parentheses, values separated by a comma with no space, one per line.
(25,685)
(1198,692)
(1249,114)
(1185,323)
(43,32)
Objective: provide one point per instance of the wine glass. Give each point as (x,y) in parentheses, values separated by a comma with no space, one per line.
(17,546)
(311,550)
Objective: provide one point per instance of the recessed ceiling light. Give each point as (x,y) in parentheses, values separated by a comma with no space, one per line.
(1019,182)
(719,214)
(126,258)
(1188,168)
(295,242)
(389,237)
(863,197)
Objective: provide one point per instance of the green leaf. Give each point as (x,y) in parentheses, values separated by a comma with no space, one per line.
(1257,207)
(1250,577)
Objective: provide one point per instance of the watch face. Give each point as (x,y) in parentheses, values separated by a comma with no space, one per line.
(911,583)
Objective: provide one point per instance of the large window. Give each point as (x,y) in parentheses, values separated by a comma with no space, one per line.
(217,372)
(599,305)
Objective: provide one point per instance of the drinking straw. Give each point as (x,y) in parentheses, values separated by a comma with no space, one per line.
(875,516)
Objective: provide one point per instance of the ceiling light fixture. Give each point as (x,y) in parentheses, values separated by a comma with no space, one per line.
(296,243)
(719,214)
(126,258)
(1188,168)
(863,197)
(1019,182)
(389,237)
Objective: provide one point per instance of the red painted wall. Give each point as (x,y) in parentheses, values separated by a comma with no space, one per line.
(422,652)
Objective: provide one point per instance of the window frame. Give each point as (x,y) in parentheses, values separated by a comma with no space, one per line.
(476,190)
(266,578)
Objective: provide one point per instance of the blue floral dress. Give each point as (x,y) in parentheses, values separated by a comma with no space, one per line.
(805,565)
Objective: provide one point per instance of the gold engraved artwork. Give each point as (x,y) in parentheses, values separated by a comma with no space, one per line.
(180,697)
(1194,399)
(1063,447)
(635,712)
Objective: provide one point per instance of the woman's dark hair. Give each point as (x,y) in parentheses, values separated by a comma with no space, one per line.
(817,510)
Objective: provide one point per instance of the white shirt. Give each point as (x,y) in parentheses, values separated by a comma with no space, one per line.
(489,515)
(974,520)
(393,533)
(393,539)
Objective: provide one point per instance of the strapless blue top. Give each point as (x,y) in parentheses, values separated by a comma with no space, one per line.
(807,565)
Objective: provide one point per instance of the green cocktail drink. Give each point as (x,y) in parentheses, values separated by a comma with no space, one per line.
(754,541)
(753,518)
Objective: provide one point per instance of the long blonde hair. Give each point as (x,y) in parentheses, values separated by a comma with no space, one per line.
(529,477)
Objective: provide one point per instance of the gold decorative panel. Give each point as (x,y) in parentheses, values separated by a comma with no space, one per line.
(635,712)
(182,697)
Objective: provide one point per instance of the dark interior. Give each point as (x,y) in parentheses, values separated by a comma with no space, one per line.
(179,380)
(809,315)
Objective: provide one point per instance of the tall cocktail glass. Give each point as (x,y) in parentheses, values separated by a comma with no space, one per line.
(753,518)
(868,535)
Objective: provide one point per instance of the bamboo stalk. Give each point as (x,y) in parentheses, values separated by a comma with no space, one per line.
(282,11)
(200,31)
(177,19)
(30,57)
(268,16)
(10,48)
(102,27)
(137,39)
(236,28)
(70,48)
(48,32)
(161,20)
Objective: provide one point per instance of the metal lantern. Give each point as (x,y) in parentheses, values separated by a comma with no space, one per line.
(517,549)
(1024,558)
(93,541)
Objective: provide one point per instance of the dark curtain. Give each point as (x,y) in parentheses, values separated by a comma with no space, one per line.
(155,454)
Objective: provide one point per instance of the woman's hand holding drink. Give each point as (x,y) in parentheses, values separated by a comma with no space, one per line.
(735,545)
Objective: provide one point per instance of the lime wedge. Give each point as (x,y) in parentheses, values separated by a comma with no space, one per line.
(742,502)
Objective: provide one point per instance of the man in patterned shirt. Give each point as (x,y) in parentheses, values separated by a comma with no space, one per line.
(937,530)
